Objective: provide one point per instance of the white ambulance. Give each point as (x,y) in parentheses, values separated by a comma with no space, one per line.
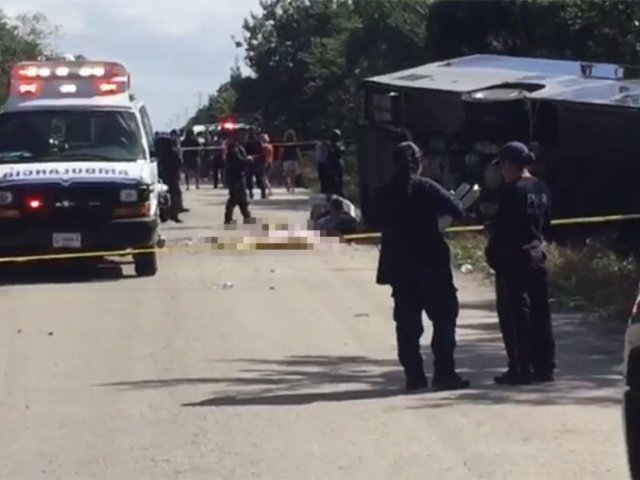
(77,165)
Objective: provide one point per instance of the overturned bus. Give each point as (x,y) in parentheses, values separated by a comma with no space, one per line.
(581,120)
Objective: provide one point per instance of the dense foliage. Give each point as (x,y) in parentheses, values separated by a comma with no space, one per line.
(308,56)
(25,37)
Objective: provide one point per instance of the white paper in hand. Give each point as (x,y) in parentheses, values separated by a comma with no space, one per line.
(470,197)
(467,196)
(461,191)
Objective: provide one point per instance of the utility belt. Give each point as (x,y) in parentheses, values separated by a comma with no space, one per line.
(504,256)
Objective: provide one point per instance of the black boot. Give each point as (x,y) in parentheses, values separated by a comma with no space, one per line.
(449,381)
(513,377)
(542,377)
(416,384)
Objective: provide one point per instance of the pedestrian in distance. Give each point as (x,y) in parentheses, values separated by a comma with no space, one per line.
(322,165)
(335,164)
(290,160)
(267,150)
(218,161)
(238,167)
(175,137)
(191,158)
(255,175)
(415,261)
(515,251)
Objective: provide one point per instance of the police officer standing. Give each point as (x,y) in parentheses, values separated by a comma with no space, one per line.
(335,163)
(238,167)
(218,160)
(169,165)
(256,173)
(515,251)
(416,262)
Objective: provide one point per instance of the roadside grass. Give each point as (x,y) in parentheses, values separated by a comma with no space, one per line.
(590,279)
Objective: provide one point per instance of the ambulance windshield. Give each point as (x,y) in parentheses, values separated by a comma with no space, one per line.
(73,135)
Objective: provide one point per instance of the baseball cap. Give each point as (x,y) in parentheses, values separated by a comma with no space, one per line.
(515,153)
(407,154)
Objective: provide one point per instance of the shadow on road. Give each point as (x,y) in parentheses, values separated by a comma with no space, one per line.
(589,374)
(291,204)
(61,272)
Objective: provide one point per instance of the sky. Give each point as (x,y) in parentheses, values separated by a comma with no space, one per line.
(174,50)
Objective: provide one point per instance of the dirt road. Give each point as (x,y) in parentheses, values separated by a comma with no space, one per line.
(278,365)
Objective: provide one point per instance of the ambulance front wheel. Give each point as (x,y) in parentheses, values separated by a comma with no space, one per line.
(146,264)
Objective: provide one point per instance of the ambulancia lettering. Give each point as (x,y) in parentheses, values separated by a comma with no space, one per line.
(66,172)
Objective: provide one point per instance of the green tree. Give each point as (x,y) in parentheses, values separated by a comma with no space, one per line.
(309,56)
(24,38)
(291,47)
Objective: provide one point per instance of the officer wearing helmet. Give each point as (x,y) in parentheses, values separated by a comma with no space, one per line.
(515,251)
(415,261)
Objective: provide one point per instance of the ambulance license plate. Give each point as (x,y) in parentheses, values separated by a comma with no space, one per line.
(67,240)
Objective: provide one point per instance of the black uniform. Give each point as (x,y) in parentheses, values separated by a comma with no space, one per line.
(415,261)
(237,166)
(169,167)
(218,163)
(257,170)
(335,168)
(191,160)
(515,251)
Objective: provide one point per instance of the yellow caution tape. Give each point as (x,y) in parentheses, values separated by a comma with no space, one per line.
(235,245)
(375,236)
(286,243)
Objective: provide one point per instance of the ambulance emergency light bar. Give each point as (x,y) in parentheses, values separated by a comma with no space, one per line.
(33,79)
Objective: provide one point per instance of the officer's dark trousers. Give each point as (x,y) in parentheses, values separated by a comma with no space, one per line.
(176,196)
(257,179)
(218,172)
(323,177)
(437,297)
(522,301)
(237,198)
(334,181)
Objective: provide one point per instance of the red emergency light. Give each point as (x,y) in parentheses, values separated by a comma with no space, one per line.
(34,203)
(68,70)
(31,78)
(109,88)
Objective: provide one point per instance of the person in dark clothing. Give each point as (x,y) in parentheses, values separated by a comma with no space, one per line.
(322,165)
(191,158)
(415,261)
(206,157)
(257,171)
(335,164)
(515,251)
(237,169)
(218,161)
(337,221)
(169,166)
